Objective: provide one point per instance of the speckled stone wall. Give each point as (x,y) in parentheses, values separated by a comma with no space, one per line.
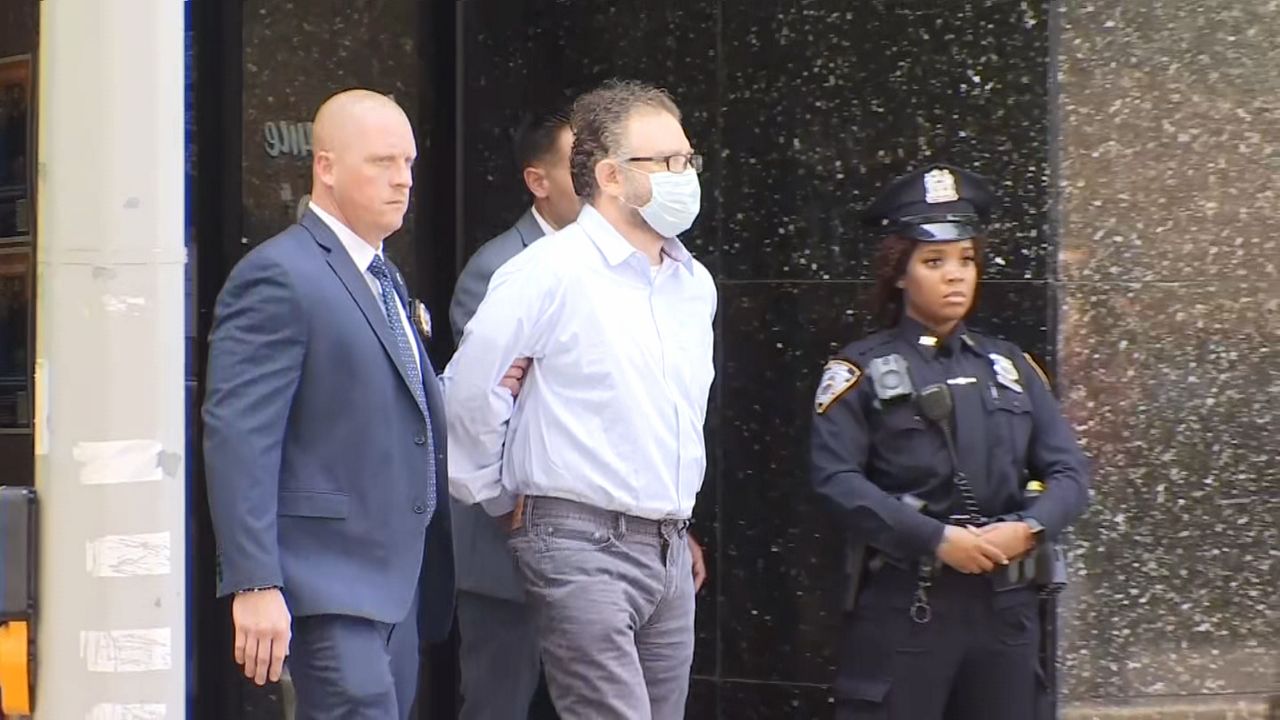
(1170,316)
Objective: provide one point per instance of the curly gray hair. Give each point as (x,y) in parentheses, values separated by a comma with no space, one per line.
(599,119)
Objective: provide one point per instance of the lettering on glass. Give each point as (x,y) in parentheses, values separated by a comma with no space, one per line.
(283,138)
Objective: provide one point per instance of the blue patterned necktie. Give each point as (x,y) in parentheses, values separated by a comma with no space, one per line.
(391,306)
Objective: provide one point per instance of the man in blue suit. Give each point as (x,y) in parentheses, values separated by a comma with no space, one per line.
(325,437)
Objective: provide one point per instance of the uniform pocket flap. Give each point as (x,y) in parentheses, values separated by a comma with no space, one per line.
(865,689)
(902,417)
(313,503)
(1018,597)
(1009,402)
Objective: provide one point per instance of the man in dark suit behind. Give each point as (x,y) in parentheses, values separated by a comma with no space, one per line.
(499,654)
(542,145)
(325,438)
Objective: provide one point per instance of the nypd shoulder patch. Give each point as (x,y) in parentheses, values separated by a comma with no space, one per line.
(837,378)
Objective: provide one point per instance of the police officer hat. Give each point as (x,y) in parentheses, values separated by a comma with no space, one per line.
(934,203)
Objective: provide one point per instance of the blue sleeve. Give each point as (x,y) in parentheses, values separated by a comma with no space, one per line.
(256,350)
(1054,457)
(838,451)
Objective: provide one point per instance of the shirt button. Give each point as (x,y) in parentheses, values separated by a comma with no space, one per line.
(419,508)
(419,440)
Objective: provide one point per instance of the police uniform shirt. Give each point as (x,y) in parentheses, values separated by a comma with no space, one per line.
(867,453)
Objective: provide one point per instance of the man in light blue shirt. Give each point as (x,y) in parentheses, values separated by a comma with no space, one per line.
(499,658)
(596,469)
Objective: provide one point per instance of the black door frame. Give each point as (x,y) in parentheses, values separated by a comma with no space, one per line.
(217,689)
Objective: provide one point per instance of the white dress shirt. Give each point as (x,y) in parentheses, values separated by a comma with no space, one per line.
(611,413)
(542,222)
(362,254)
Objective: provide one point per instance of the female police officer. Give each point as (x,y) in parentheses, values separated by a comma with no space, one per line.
(926,439)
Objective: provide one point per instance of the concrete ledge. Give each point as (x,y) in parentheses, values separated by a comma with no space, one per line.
(1260,707)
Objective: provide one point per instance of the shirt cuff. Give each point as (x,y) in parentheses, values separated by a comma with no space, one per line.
(1031,518)
(258,588)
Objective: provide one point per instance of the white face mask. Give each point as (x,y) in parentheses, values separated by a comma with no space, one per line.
(676,200)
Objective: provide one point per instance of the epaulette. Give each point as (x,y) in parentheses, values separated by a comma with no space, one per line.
(864,347)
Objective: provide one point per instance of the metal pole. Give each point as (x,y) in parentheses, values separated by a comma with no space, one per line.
(111,638)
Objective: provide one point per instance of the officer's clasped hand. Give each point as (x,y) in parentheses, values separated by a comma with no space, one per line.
(1014,539)
(966,551)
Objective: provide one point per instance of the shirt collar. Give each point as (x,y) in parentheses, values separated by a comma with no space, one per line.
(916,333)
(542,222)
(361,252)
(616,249)
(676,250)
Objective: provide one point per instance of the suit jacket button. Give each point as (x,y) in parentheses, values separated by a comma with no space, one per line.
(419,440)
(419,508)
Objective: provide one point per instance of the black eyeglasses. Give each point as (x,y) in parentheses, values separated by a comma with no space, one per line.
(674,163)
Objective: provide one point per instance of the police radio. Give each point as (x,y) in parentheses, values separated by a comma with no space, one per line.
(936,404)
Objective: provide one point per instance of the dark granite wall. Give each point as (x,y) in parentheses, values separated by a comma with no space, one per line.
(803,109)
(296,54)
(1133,148)
(520,55)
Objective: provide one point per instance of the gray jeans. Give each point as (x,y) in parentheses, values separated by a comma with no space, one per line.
(613,599)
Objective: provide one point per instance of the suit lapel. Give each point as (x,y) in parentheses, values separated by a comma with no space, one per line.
(345,268)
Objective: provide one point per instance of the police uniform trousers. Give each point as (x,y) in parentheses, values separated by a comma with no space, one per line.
(975,659)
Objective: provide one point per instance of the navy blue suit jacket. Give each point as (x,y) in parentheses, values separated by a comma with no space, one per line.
(315,450)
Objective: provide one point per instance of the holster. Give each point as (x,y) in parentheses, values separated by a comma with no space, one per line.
(1050,567)
(859,558)
(1047,702)
(855,567)
(1050,577)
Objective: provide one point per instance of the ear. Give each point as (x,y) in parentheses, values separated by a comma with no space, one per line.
(536,180)
(901,284)
(609,178)
(322,165)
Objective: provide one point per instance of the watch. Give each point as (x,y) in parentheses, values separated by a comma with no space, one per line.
(260,588)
